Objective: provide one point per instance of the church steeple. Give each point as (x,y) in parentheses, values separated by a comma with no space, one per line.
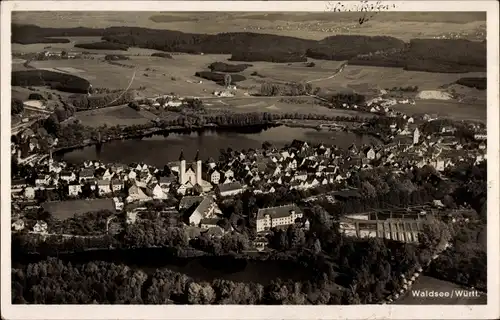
(197,157)
(181,157)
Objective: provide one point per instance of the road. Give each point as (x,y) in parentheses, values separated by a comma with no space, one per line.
(339,70)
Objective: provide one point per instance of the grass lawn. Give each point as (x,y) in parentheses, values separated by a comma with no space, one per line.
(67,209)
(112,116)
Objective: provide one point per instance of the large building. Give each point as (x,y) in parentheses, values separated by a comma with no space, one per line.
(191,175)
(404,230)
(272,217)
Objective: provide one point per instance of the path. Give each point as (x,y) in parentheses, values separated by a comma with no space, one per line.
(330,77)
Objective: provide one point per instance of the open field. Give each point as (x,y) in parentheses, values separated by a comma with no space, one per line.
(67,209)
(111,116)
(448,109)
(357,77)
(303,25)
(273,105)
(425,283)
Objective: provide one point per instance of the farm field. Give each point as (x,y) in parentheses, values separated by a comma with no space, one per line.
(274,105)
(367,78)
(302,25)
(67,209)
(112,116)
(448,109)
(425,283)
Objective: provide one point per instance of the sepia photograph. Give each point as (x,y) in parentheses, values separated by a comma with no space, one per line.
(220,156)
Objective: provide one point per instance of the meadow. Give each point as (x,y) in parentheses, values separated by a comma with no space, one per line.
(112,116)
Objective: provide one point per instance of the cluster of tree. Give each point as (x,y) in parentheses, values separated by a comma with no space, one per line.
(27,33)
(162,55)
(339,99)
(86,224)
(103,45)
(405,89)
(478,83)
(446,55)
(25,245)
(345,47)
(148,233)
(269,56)
(220,78)
(115,57)
(16,106)
(466,262)
(226,67)
(289,89)
(85,102)
(431,55)
(56,80)
(36,96)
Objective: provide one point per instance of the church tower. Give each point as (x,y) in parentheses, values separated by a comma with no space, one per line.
(416,136)
(182,169)
(198,167)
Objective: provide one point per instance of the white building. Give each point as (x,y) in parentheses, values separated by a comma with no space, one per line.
(268,218)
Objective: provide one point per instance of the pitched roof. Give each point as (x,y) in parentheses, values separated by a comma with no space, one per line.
(188,201)
(229,186)
(205,205)
(278,212)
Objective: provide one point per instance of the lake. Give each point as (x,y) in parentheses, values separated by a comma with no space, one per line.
(158,150)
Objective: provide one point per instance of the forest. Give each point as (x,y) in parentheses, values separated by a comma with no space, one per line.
(473,82)
(267,55)
(431,55)
(83,102)
(56,80)
(219,77)
(104,45)
(226,67)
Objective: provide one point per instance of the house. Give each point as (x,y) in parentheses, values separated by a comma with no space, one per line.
(208,223)
(158,193)
(67,176)
(118,204)
(108,174)
(40,227)
(18,225)
(272,217)
(213,176)
(166,181)
(86,174)
(189,201)
(229,173)
(135,194)
(230,189)
(370,153)
(104,187)
(116,185)
(207,208)
(74,188)
(214,232)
